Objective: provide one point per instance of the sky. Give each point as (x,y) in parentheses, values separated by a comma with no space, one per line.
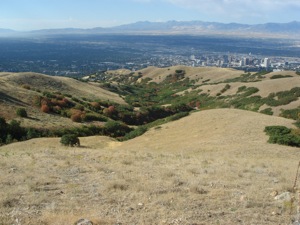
(26,15)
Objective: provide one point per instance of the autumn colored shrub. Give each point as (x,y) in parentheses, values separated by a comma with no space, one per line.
(45,108)
(77,117)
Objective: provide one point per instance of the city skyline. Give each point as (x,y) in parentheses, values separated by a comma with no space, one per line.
(50,14)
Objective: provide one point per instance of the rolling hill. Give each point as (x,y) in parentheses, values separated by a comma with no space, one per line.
(213,165)
(20,90)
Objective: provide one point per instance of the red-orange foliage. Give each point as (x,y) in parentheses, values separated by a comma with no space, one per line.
(111,109)
(45,108)
(77,115)
(61,103)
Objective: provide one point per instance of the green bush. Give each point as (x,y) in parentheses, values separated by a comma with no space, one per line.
(280,76)
(179,116)
(267,111)
(116,129)
(135,133)
(283,136)
(70,140)
(21,112)
(291,113)
(94,117)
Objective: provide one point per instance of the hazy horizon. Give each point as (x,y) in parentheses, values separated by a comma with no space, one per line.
(54,14)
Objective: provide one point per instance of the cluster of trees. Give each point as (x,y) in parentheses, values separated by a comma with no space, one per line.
(144,115)
(12,131)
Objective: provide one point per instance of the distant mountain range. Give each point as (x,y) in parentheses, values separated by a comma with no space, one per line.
(177,27)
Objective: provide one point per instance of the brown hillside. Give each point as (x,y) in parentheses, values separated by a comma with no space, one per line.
(213,167)
(59,84)
(265,86)
(214,74)
(13,95)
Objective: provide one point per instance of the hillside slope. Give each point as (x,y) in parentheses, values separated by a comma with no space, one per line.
(214,74)
(214,165)
(20,89)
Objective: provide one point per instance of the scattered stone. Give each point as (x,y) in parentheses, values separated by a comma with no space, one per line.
(285,197)
(274,193)
(83,222)
(296,223)
(276,214)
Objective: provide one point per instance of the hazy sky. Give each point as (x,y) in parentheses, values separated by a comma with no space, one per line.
(42,14)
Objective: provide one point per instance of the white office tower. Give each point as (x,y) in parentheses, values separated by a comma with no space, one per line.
(267,62)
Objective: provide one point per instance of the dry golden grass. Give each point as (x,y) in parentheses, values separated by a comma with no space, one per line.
(13,95)
(59,84)
(214,74)
(213,167)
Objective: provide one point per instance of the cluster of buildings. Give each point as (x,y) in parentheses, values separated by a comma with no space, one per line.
(246,62)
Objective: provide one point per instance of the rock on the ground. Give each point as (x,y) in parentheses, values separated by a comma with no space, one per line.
(83,222)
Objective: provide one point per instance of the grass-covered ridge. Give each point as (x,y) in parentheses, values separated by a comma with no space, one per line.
(156,97)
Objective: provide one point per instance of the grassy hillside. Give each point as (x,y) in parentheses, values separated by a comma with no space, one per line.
(21,90)
(212,167)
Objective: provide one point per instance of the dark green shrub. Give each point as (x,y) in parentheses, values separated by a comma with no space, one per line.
(283,136)
(16,131)
(94,117)
(70,140)
(267,111)
(179,116)
(277,130)
(280,76)
(135,133)
(21,112)
(116,129)
(291,113)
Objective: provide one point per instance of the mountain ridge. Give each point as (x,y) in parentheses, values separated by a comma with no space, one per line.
(174,27)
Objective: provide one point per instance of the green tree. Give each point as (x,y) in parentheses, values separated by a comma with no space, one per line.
(70,140)
(21,112)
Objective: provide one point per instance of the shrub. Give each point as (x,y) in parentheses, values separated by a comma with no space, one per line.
(280,76)
(283,136)
(70,140)
(76,118)
(116,129)
(21,112)
(45,108)
(94,117)
(135,133)
(179,116)
(267,111)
